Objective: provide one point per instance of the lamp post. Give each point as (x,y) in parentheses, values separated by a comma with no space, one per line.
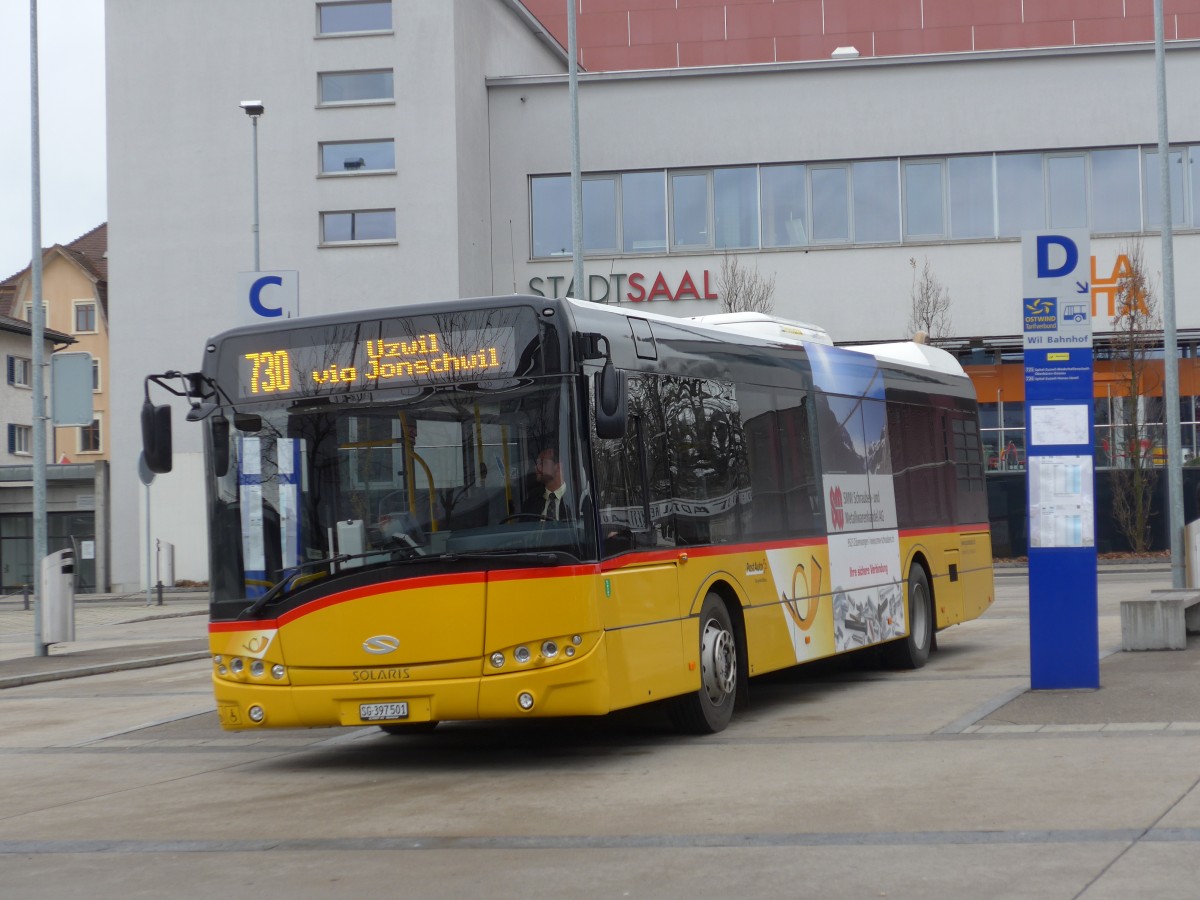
(37,322)
(254,109)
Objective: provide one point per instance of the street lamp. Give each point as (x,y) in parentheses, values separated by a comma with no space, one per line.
(254,109)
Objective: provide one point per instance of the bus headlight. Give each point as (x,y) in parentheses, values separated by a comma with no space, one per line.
(497,660)
(278,671)
(521,654)
(257,668)
(549,649)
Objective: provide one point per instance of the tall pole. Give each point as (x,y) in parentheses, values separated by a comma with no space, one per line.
(38,330)
(576,175)
(1170,341)
(254,228)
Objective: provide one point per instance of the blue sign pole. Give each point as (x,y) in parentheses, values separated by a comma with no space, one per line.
(1064,639)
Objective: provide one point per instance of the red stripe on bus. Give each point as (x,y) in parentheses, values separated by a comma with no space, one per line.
(371,590)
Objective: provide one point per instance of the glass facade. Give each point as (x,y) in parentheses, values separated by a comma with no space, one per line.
(969,198)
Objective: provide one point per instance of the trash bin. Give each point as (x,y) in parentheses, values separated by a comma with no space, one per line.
(58,597)
(166,564)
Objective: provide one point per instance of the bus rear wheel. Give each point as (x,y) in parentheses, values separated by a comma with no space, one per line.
(709,709)
(912,652)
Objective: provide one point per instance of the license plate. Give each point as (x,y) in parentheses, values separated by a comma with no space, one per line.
(375,712)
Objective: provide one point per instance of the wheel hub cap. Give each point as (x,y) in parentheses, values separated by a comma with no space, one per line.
(718,662)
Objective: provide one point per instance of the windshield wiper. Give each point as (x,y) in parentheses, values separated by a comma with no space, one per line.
(278,587)
(540,557)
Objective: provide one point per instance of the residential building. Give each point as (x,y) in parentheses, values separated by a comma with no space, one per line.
(75,301)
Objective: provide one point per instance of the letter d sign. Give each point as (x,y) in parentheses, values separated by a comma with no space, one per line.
(267,296)
(1070,261)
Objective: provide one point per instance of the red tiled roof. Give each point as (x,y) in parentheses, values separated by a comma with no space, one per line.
(88,251)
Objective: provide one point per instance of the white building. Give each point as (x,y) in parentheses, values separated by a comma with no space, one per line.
(420,150)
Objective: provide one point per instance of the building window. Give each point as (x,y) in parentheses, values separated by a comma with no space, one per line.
(361,225)
(29,313)
(1115,190)
(1066,176)
(1152,188)
(20,371)
(89,437)
(1020,193)
(85,318)
(550,199)
(644,212)
(784,207)
(923,203)
(599,214)
(20,439)
(354,18)
(830,203)
(95,374)
(690,229)
(971,208)
(876,191)
(358,157)
(367,86)
(735,208)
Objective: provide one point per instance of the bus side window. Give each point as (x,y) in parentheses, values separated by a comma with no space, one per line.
(802,497)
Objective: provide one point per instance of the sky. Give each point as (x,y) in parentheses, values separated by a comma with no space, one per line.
(72,127)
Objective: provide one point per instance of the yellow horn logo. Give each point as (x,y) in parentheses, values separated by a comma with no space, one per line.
(812,595)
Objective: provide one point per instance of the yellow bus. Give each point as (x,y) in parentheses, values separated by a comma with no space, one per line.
(515,507)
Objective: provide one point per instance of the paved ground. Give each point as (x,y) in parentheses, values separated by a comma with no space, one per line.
(838,780)
(113,632)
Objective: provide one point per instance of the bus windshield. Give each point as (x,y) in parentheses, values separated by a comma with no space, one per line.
(313,490)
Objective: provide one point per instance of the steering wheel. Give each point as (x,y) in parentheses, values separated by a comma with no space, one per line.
(516,517)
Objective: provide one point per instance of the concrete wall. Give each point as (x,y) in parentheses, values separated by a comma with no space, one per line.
(180,181)
(835,111)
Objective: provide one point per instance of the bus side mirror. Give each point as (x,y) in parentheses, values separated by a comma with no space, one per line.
(612,403)
(220,445)
(156,437)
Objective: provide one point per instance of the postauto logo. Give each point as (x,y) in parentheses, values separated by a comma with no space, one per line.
(1041,313)
(837,513)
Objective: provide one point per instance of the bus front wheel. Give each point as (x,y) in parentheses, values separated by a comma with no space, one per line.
(709,709)
(912,652)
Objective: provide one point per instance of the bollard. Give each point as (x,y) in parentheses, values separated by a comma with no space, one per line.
(160,593)
(25,596)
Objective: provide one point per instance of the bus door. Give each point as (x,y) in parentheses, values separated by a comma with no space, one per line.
(639,581)
(948,581)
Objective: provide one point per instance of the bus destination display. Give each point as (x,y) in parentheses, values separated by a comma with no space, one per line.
(356,364)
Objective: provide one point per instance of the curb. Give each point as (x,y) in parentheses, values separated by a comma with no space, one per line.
(121,665)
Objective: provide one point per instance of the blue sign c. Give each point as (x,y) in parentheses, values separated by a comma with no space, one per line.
(1043,255)
(256,304)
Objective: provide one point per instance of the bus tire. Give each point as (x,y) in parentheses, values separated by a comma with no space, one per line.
(411,728)
(912,652)
(709,709)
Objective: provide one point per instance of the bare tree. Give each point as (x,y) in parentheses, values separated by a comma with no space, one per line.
(742,290)
(930,311)
(1137,328)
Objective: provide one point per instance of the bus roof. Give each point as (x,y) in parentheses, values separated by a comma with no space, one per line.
(760,325)
(775,331)
(910,353)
